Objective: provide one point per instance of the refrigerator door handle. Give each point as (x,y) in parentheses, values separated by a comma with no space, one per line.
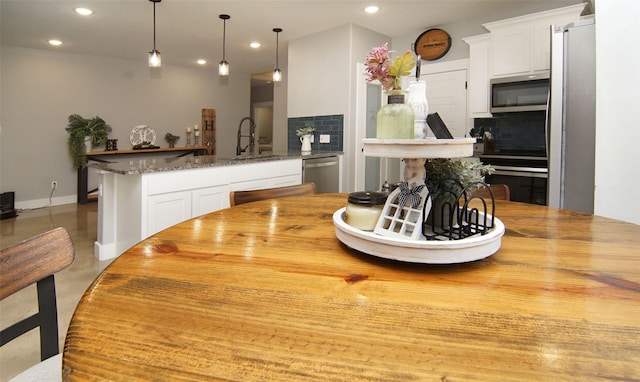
(546,124)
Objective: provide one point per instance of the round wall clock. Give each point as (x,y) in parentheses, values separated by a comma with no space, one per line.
(432,44)
(142,134)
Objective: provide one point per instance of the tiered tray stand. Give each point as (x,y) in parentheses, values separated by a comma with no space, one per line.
(419,249)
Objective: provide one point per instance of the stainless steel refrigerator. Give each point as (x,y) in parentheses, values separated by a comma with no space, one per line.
(571,120)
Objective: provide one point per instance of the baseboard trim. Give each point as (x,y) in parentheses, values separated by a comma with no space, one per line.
(40,203)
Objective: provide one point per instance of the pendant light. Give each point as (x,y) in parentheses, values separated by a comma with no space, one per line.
(277,73)
(223,67)
(154,56)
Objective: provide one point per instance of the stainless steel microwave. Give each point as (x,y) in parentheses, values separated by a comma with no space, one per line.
(523,93)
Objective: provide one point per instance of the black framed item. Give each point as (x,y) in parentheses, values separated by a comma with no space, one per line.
(432,44)
(438,127)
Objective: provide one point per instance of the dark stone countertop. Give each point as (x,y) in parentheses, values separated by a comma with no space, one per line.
(137,166)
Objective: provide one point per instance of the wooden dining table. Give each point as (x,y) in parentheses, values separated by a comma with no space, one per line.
(265,292)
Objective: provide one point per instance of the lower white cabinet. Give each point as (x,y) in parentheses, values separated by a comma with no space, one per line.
(165,210)
(134,207)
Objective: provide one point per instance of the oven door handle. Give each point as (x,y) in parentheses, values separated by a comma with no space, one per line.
(520,171)
(539,170)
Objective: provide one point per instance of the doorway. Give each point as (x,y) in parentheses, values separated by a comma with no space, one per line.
(262,109)
(263,117)
(447,95)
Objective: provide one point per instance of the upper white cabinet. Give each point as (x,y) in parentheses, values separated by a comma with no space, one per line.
(521,45)
(479,74)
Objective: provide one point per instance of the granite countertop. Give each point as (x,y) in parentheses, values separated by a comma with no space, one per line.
(142,165)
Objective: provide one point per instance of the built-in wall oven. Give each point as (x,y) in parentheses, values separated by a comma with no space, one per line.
(526,176)
(517,145)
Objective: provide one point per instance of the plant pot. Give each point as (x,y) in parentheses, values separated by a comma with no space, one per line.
(306,143)
(441,211)
(87,144)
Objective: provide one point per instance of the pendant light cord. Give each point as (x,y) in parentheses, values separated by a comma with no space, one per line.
(154,25)
(224,39)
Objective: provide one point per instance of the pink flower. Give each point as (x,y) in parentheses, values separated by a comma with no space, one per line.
(377,66)
(380,67)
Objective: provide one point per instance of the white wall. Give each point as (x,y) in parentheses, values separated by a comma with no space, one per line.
(325,84)
(318,74)
(617,115)
(40,89)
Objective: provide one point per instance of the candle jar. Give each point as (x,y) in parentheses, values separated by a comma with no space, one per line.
(364,208)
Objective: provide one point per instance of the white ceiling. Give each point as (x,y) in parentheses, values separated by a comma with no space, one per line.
(191,29)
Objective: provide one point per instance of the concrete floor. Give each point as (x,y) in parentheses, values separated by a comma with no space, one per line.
(71,283)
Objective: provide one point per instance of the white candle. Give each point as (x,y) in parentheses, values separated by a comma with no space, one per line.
(188,129)
(195,127)
(197,133)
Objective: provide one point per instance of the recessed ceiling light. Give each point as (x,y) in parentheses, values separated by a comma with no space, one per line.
(201,61)
(55,42)
(255,45)
(83,11)
(372,9)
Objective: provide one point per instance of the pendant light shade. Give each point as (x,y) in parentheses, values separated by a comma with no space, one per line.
(155,61)
(223,67)
(277,73)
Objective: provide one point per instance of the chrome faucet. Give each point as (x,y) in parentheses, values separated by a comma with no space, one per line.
(252,136)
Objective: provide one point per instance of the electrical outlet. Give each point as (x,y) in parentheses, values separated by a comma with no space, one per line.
(325,138)
(54,184)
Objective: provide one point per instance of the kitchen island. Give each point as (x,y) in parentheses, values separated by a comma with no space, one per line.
(138,198)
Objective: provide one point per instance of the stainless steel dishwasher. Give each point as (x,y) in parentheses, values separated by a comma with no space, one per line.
(324,172)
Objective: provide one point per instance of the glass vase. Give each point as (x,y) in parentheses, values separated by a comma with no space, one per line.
(417,100)
(395,120)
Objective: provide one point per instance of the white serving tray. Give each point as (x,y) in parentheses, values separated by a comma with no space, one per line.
(418,148)
(419,251)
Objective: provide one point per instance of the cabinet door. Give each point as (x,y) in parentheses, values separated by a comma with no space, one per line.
(209,199)
(511,51)
(541,47)
(479,72)
(165,210)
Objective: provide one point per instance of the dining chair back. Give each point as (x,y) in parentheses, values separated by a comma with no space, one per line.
(241,197)
(500,192)
(35,261)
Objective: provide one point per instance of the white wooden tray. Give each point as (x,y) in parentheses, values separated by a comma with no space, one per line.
(418,148)
(419,251)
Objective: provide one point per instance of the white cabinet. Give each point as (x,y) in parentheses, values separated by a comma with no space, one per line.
(511,50)
(134,207)
(521,45)
(209,199)
(479,74)
(266,175)
(165,210)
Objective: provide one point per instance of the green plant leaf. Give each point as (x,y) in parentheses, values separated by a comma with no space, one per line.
(402,65)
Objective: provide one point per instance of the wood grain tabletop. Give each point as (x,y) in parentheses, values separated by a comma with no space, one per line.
(264,291)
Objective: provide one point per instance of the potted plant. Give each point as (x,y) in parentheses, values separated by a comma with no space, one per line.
(84,134)
(446,180)
(305,137)
(171,139)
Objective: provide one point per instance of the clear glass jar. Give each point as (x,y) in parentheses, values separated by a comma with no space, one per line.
(395,120)
(418,102)
(364,208)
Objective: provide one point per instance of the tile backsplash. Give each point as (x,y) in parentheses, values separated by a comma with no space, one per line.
(521,132)
(332,125)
